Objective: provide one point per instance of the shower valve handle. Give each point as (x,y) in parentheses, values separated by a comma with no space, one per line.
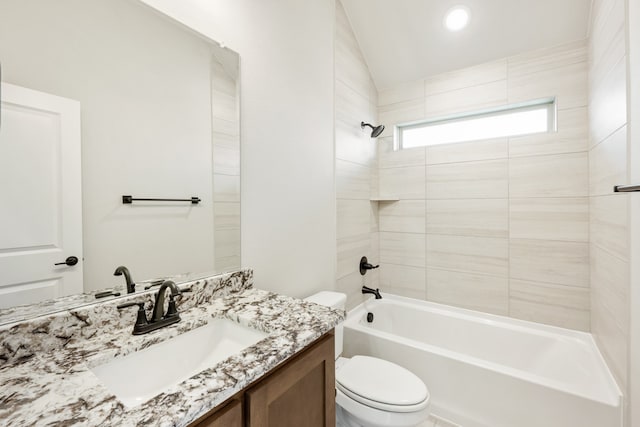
(364,265)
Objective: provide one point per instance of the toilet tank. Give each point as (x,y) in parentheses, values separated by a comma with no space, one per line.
(335,301)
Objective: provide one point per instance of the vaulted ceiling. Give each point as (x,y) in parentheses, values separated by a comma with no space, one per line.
(405,40)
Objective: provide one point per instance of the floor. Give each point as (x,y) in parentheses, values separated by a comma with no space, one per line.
(435,421)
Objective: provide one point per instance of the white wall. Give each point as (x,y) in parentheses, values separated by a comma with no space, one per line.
(288,192)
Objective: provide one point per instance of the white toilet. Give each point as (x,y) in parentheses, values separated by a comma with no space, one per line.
(372,392)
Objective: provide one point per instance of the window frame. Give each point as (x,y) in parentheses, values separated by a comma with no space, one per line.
(549,103)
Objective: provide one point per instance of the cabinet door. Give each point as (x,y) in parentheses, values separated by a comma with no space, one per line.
(229,415)
(301,393)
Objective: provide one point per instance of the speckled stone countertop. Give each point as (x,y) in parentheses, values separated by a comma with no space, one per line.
(44,362)
(44,308)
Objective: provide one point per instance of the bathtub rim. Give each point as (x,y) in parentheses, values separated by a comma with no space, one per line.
(357,315)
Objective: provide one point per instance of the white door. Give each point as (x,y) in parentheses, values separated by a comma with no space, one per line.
(40,196)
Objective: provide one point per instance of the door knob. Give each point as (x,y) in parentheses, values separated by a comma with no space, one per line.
(72,260)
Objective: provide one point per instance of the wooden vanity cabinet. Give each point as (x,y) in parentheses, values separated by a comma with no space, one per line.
(299,393)
(229,415)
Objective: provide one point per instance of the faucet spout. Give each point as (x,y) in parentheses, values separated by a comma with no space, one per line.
(158,308)
(131,287)
(376,292)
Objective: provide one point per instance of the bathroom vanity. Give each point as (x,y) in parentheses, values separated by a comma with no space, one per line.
(300,392)
(49,365)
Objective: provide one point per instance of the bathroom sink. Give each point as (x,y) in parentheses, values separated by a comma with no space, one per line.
(139,376)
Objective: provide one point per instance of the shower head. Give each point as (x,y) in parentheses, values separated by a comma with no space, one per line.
(375,130)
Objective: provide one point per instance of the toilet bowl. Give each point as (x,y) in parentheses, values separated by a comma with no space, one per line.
(371,392)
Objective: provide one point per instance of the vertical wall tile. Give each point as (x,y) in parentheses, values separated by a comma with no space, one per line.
(466,99)
(610,285)
(608,164)
(568,84)
(350,65)
(559,175)
(496,211)
(488,149)
(403,280)
(352,180)
(373,277)
(481,255)
(608,103)
(226,161)
(468,217)
(468,180)
(563,218)
(405,183)
(227,249)
(226,215)
(404,92)
(226,188)
(480,74)
(404,216)
(356,170)
(350,250)
(546,261)
(610,223)
(400,113)
(352,144)
(351,285)
(558,305)
(388,158)
(609,265)
(546,59)
(472,291)
(353,217)
(402,249)
(226,165)
(403,276)
(572,136)
(611,341)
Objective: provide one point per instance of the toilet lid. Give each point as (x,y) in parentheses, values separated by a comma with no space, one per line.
(380,383)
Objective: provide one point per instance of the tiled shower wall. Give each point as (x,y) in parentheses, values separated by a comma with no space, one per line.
(226,166)
(356,166)
(502,225)
(608,167)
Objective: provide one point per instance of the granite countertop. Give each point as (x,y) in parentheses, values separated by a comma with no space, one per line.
(25,312)
(49,382)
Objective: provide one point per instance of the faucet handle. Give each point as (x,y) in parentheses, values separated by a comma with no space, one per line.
(131,304)
(172,311)
(141,320)
(364,265)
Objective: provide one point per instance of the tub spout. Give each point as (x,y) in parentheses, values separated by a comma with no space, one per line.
(376,292)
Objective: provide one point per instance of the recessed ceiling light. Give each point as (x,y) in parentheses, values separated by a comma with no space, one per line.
(457,18)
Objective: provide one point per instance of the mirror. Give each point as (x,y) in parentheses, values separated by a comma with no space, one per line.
(158,111)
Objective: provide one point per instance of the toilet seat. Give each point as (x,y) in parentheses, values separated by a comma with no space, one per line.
(381,384)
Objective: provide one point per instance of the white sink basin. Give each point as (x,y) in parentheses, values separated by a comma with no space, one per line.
(139,376)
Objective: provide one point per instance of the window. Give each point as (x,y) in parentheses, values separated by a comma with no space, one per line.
(521,119)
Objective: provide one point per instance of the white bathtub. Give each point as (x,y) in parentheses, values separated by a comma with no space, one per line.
(484,370)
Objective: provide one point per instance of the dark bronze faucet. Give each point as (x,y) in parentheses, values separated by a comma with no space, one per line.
(158,308)
(159,318)
(131,287)
(376,292)
(365,266)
